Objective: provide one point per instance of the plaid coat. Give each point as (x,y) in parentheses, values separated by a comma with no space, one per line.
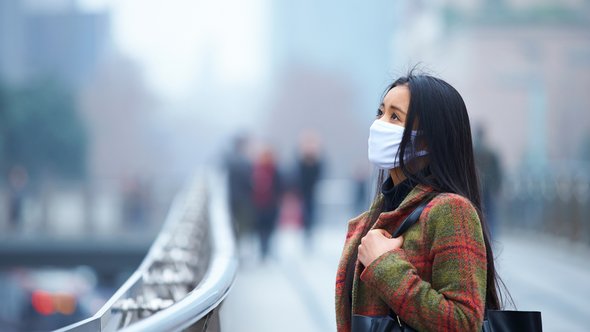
(435,282)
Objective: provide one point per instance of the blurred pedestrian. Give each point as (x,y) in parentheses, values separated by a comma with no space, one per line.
(360,190)
(267,197)
(135,203)
(490,176)
(18,178)
(239,173)
(439,273)
(309,166)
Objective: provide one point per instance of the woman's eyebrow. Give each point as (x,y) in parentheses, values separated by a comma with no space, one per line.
(397,108)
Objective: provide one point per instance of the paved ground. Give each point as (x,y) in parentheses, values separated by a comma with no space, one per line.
(294,290)
(550,275)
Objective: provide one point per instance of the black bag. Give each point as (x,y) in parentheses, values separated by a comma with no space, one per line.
(494,320)
(362,323)
(508,321)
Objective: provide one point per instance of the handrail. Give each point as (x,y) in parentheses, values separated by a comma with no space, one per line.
(215,285)
(201,215)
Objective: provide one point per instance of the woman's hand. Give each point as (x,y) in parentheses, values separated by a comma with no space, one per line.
(376,243)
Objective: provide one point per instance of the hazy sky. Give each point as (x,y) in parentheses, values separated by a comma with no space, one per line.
(180,43)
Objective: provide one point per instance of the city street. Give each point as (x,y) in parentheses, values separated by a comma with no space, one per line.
(294,291)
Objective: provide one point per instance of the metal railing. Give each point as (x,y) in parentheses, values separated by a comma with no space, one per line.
(187,273)
(555,201)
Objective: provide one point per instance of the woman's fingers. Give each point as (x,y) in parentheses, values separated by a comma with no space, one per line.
(383,232)
(375,243)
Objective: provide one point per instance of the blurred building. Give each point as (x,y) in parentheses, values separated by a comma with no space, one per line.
(12,19)
(329,70)
(348,39)
(39,39)
(70,46)
(120,109)
(523,68)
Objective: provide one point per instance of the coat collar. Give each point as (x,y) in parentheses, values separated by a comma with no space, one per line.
(392,219)
(416,195)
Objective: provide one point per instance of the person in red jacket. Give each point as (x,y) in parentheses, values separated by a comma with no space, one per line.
(266,196)
(439,275)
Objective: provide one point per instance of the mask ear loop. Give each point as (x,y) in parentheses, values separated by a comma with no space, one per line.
(412,152)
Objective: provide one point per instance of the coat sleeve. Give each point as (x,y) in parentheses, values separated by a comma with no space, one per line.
(455,298)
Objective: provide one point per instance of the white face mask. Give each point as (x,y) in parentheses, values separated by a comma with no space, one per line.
(384,141)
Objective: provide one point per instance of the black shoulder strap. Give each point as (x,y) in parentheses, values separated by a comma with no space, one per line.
(412,218)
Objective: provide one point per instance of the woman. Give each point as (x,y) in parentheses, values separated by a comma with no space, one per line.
(439,275)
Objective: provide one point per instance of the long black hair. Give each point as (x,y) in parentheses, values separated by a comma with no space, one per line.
(439,116)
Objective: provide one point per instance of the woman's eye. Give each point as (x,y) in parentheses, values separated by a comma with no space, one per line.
(394,116)
(379,113)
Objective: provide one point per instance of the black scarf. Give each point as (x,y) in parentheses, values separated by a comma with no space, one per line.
(393,195)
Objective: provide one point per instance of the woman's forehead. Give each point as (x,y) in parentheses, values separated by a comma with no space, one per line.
(399,96)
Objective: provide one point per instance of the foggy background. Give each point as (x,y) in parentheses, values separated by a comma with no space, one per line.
(108,107)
